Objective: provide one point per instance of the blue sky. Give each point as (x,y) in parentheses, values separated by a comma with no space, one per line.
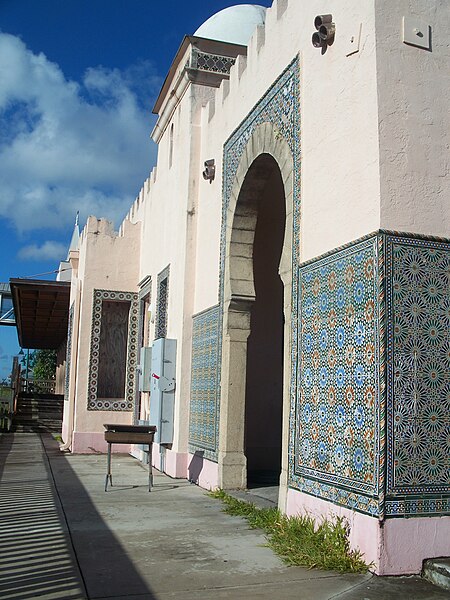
(78,79)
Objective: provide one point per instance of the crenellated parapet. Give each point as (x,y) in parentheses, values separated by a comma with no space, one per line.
(199,61)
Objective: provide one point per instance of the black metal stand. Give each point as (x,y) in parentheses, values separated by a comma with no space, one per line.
(129,434)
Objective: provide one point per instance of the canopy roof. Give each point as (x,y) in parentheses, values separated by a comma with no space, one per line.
(42,312)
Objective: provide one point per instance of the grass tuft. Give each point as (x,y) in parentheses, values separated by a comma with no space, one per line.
(300,540)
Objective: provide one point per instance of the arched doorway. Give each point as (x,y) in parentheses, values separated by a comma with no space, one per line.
(264,368)
(258,232)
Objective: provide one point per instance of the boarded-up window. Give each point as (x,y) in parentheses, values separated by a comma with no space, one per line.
(113,349)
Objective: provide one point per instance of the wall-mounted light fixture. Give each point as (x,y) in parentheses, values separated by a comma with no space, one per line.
(210,170)
(324,36)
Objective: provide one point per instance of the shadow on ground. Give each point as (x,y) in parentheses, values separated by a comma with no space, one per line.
(37,557)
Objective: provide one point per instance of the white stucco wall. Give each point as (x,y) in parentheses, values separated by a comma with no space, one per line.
(168,239)
(340,193)
(374,126)
(414,122)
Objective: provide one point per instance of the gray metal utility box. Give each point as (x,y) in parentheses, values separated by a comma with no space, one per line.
(162,389)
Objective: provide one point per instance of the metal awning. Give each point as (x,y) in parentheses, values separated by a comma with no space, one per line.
(6,306)
(42,312)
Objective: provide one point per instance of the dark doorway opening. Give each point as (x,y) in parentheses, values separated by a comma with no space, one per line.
(264,375)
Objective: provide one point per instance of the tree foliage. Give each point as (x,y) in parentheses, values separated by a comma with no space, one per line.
(44,364)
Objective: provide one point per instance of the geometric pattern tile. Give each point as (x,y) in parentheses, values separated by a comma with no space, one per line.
(144,298)
(214,63)
(68,352)
(95,403)
(370,354)
(162,301)
(279,106)
(203,421)
(417,507)
(418,373)
(370,428)
(145,288)
(336,436)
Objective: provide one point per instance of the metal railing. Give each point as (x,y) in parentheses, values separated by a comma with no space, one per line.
(38,386)
(6,407)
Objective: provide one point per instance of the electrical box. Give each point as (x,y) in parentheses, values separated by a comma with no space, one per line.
(162,388)
(145,369)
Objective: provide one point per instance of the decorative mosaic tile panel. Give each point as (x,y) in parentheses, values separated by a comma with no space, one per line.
(95,403)
(417,507)
(162,299)
(279,106)
(336,447)
(418,374)
(204,383)
(145,290)
(145,294)
(339,495)
(68,352)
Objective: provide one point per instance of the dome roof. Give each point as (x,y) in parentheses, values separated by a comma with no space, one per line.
(234,24)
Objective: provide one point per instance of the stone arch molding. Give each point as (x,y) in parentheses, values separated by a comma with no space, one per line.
(238,295)
(265,139)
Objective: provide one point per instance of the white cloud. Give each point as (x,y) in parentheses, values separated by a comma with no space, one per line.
(68,146)
(47,251)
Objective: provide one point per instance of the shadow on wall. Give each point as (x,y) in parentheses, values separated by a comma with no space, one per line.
(38,558)
(195,466)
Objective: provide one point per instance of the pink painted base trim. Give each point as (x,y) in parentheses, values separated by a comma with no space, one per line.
(181,465)
(136,452)
(92,442)
(65,433)
(394,547)
(176,464)
(408,542)
(203,472)
(172,463)
(364,530)
(65,430)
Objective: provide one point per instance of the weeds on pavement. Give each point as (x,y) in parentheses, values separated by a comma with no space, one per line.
(300,540)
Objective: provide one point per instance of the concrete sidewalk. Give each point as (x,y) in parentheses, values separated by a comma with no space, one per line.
(63,537)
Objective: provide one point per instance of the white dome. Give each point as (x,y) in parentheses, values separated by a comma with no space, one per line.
(234,24)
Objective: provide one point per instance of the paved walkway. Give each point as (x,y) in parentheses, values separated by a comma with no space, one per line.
(63,537)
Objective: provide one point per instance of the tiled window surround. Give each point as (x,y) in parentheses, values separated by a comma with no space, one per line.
(95,403)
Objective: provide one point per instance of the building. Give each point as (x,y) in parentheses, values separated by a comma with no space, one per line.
(287,265)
